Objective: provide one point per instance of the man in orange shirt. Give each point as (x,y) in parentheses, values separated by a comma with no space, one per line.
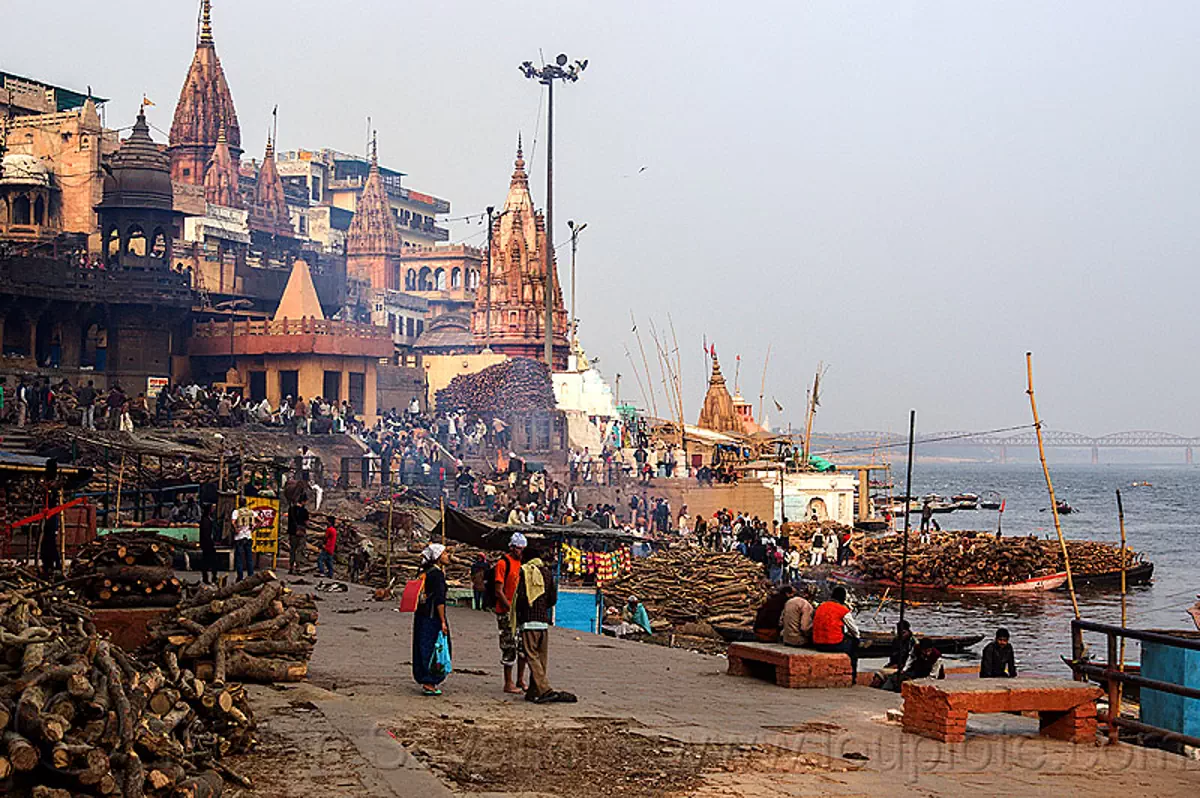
(835,630)
(508,578)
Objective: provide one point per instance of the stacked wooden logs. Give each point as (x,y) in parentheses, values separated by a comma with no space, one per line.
(80,716)
(255,630)
(1091,558)
(956,558)
(680,586)
(406,561)
(518,385)
(129,569)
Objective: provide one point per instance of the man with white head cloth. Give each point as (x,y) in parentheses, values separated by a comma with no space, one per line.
(508,578)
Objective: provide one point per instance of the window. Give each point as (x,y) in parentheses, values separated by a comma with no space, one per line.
(411,326)
(303,218)
(331,387)
(136,245)
(258,386)
(159,250)
(456,278)
(187,172)
(358,391)
(21,211)
(420,327)
(316,188)
(439,279)
(289,384)
(392,323)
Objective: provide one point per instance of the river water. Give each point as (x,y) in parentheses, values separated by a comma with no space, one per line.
(1160,521)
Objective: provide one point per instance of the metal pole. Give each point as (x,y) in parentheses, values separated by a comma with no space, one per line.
(912,426)
(549,81)
(487,330)
(574,241)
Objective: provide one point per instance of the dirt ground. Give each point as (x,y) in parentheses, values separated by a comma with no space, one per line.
(606,757)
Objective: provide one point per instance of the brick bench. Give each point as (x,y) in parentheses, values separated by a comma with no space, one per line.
(793,667)
(938,709)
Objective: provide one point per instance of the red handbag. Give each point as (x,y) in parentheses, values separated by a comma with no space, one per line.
(411,596)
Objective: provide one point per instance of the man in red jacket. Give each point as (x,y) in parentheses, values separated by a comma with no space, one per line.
(835,630)
(328,547)
(508,578)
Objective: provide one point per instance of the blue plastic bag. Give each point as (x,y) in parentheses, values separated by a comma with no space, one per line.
(439,664)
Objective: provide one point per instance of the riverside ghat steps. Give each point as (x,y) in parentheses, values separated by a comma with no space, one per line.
(361,684)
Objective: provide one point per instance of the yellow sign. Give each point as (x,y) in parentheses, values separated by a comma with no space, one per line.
(265,534)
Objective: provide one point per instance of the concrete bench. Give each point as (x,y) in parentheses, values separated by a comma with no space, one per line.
(792,667)
(938,709)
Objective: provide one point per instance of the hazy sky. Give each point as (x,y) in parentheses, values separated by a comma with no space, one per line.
(914,193)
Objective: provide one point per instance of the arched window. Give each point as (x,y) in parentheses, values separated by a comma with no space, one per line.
(39,211)
(113,248)
(456,278)
(21,210)
(410,280)
(474,279)
(439,279)
(3,211)
(425,279)
(159,250)
(136,244)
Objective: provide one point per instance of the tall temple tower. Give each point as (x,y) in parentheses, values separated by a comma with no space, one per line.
(373,242)
(269,213)
(205,107)
(515,294)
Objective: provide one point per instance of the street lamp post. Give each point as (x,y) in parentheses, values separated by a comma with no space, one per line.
(575,231)
(546,75)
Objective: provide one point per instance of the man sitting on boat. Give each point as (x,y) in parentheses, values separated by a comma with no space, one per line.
(924,662)
(999,661)
(835,629)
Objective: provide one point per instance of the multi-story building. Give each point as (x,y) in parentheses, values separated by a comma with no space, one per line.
(334,181)
(52,144)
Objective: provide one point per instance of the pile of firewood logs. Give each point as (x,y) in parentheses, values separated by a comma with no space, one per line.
(255,630)
(129,569)
(962,558)
(680,586)
(1089,558)
(406,561)
(514,386)
(80,716)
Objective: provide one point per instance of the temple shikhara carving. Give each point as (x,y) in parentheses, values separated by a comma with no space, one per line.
(205,108)
(514,295)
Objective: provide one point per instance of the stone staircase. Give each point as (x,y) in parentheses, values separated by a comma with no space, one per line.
(16,441)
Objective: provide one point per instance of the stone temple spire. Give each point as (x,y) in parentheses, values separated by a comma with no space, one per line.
(270,210)
(221,176)
(373,242)
(205,105)
(718,412)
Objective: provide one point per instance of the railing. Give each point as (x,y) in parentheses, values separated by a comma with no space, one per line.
(304,326)
(1112,673)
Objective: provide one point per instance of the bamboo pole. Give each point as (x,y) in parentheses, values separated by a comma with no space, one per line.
(762,388)
(638,376)
(912,428)
(120,480)
(1116,711)
(646,364)
(679,393)
(388,569)
(443,520)
(1062,542)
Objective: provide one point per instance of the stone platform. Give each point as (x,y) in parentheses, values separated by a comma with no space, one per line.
(793,667)
(938,709)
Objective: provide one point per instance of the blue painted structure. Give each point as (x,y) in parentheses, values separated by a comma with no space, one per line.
(576,609)
(1180,666)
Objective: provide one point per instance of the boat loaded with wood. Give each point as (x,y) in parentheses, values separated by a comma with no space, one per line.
(1033,584)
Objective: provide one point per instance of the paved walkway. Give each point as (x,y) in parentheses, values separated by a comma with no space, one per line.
(361,687)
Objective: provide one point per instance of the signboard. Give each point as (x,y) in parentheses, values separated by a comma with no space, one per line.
(265,535)
(155,385)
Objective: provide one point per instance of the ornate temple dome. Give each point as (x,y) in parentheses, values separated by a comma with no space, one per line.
(139,174)
(19,169)
(373,229)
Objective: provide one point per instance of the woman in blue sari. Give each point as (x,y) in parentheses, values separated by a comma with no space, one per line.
(429,620)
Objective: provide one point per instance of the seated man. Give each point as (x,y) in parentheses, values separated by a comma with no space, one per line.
(635,613)
(998,660)
(769,615)
(902,646)
(797,620)
(924,663)
(835,629)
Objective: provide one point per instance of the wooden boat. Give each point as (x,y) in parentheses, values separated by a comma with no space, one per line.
(873,524)
(871,644)
(990,500)
(1064,508)
(879,644)
(1139,574)
(1035,584)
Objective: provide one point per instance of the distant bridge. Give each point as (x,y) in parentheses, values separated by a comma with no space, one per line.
(867,440)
